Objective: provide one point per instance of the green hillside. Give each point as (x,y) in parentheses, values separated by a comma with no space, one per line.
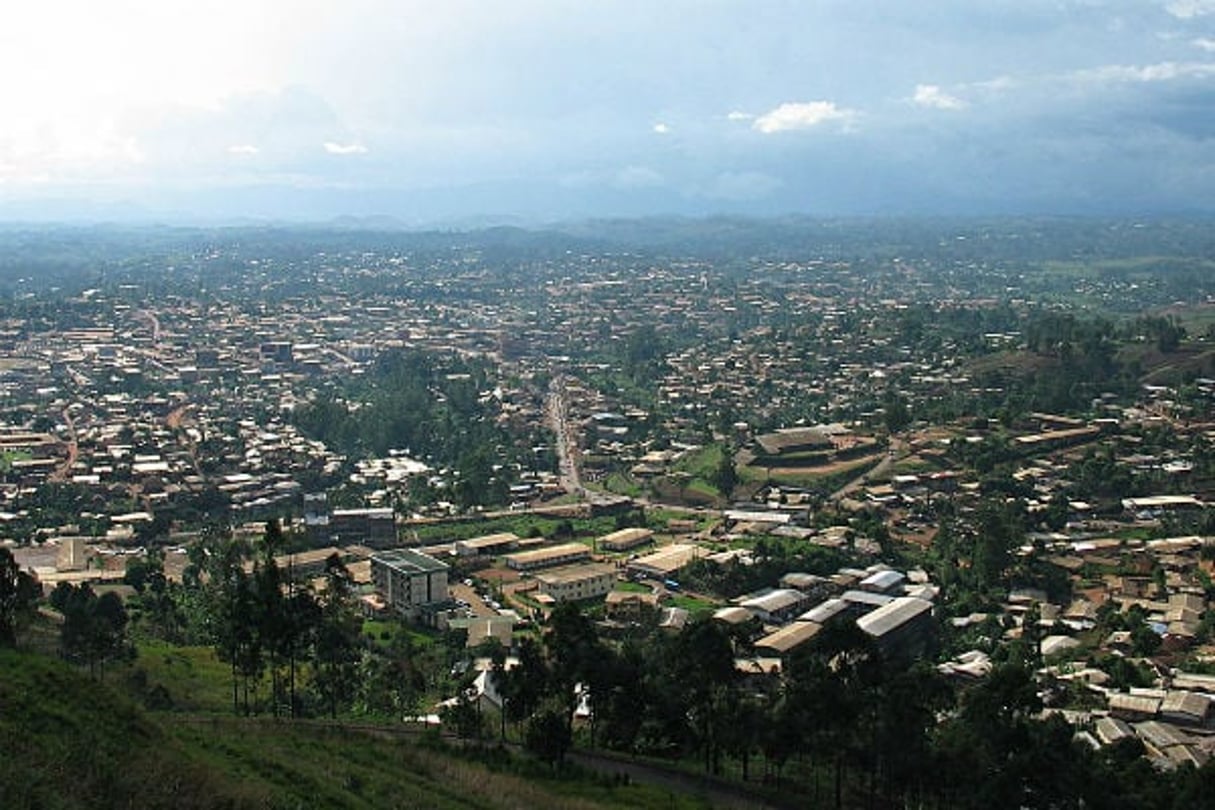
(70,742)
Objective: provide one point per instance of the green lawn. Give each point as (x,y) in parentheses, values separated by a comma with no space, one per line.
(691,603)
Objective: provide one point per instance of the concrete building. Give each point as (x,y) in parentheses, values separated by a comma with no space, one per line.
(629,606)
(1186,708)
(821,614)
(564,554)
(810,584)
(903,628)
(369,527)
(625,539)
(409,580)
(887,582)
(861,602)
(490,544)
(1134,707)
(777,606)
(73,554)
(1160,504)
(575,583)
(787,638)
(666,562)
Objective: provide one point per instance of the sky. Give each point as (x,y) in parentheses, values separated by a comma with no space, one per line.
(534,110)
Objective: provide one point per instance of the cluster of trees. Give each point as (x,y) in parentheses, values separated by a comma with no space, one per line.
(56,503)
(261,622)
(1166,332)
(840,722)
(427,404)
(308,645)
(94,630)
(18,593)
(1099,476)
(772,558)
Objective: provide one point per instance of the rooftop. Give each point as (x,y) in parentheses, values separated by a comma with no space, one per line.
(409,561)
(790,636)
(575,573)
(893,615)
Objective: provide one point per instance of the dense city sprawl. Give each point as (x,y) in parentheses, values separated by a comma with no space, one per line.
(884,511)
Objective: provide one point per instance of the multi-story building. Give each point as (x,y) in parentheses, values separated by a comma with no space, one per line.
(574,583)
(369,527)
(409,581)
(902,628)
(550,557)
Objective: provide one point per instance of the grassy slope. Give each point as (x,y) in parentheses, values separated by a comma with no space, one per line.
(70,742)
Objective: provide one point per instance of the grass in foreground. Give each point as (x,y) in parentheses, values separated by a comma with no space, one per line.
(71,742)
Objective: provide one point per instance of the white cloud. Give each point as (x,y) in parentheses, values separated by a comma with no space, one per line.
(1189,9)
(932,96)
(996,85)
(1159,72)
(1204,43)
(662,129)
(334,148)
(736,115)
(243,149)
(795,115)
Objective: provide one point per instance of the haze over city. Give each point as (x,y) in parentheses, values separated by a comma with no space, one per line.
(530,111)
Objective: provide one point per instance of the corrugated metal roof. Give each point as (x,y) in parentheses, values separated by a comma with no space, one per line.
(893,615)
(789,636)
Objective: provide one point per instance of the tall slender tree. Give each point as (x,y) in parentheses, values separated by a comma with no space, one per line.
(18,593)
(337,638)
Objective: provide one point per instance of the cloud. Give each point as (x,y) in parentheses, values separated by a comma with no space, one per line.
(1189,9)
(243,149)
(797,115)
(1204,43)
(334,148)
(736,115)
(932,96)
(661,129)
(996,85)
(1159,72)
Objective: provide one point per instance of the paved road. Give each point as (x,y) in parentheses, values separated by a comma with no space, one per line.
(461,591)
(557,414)
(64,471)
